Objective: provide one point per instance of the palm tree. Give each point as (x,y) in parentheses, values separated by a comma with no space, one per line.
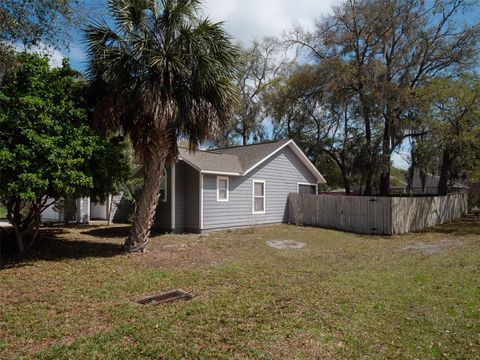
(163,73)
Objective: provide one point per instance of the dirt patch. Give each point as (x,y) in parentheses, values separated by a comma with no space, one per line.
(285,244)
(432,248)
(181,256)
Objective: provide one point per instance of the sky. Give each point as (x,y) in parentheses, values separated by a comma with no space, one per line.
(245,20)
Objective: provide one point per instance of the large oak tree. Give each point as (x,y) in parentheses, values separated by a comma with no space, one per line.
(389,48)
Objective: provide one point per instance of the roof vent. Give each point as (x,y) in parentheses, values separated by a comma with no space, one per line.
(166,297)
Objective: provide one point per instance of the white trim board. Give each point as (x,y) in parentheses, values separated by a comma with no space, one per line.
(218,188)
(200,182)
(264,196)
(306,161)
(172,206)
(208,172)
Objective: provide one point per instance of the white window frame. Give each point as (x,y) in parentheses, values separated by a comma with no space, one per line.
(254,181)
(309,184)
(218,188)
(164,180)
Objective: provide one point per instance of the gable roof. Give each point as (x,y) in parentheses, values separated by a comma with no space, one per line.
(240,160)
(210,161)
(249,155)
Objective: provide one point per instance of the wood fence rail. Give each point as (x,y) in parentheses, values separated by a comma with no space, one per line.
(375,214)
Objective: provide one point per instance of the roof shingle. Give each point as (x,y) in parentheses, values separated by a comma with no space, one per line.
(209,161)
(236,159)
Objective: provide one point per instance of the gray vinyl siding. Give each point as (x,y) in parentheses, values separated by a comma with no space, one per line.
(180,170)
(163,214)
(281,173)
(191,220)
(186,202)
(121,209)
(51,213)
(62,210)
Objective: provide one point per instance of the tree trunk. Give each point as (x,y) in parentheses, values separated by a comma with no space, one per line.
(444,173)
(346,182)
(25,231)
(244,139)
(147,205)
(34,230)
(386,151)
(19,239)
(423,180)
(369,170)
(12,217)
(411,170)
(385,181)
(368,183)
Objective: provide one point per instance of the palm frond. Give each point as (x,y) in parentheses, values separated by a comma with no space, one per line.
(166,72)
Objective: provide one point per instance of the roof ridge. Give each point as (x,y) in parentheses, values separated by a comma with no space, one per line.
(204,151)
(241,146)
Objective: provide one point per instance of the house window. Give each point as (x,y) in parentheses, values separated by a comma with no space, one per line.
(307,188)
(258,197)
(222,188)
(163,189)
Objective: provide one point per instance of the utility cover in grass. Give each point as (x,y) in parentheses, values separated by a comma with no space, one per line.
(285,244)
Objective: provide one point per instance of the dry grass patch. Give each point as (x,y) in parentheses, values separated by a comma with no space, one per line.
(340,296)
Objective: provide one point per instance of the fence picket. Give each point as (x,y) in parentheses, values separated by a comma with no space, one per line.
(375,215)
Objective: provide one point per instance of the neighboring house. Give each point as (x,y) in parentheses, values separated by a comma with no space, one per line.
(67,211)
(233,187)
(82,210)
(431,185)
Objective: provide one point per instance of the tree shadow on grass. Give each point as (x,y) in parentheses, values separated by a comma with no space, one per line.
(467,226)
(118,232)
(109,232)
(50,247)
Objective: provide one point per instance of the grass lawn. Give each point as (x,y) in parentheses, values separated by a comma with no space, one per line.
(340,296)
(3,212)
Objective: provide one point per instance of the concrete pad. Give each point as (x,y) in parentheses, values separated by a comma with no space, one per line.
(285,244)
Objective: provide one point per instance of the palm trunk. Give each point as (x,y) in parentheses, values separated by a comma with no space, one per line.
(145,211)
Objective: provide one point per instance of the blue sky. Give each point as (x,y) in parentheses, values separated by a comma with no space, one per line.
(245,20)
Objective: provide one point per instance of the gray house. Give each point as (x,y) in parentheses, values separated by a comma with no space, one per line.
(233,187)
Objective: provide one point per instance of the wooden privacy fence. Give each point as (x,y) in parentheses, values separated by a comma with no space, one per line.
(375,214)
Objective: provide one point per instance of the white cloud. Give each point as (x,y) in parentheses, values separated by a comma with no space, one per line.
(246,20)
(55,57)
